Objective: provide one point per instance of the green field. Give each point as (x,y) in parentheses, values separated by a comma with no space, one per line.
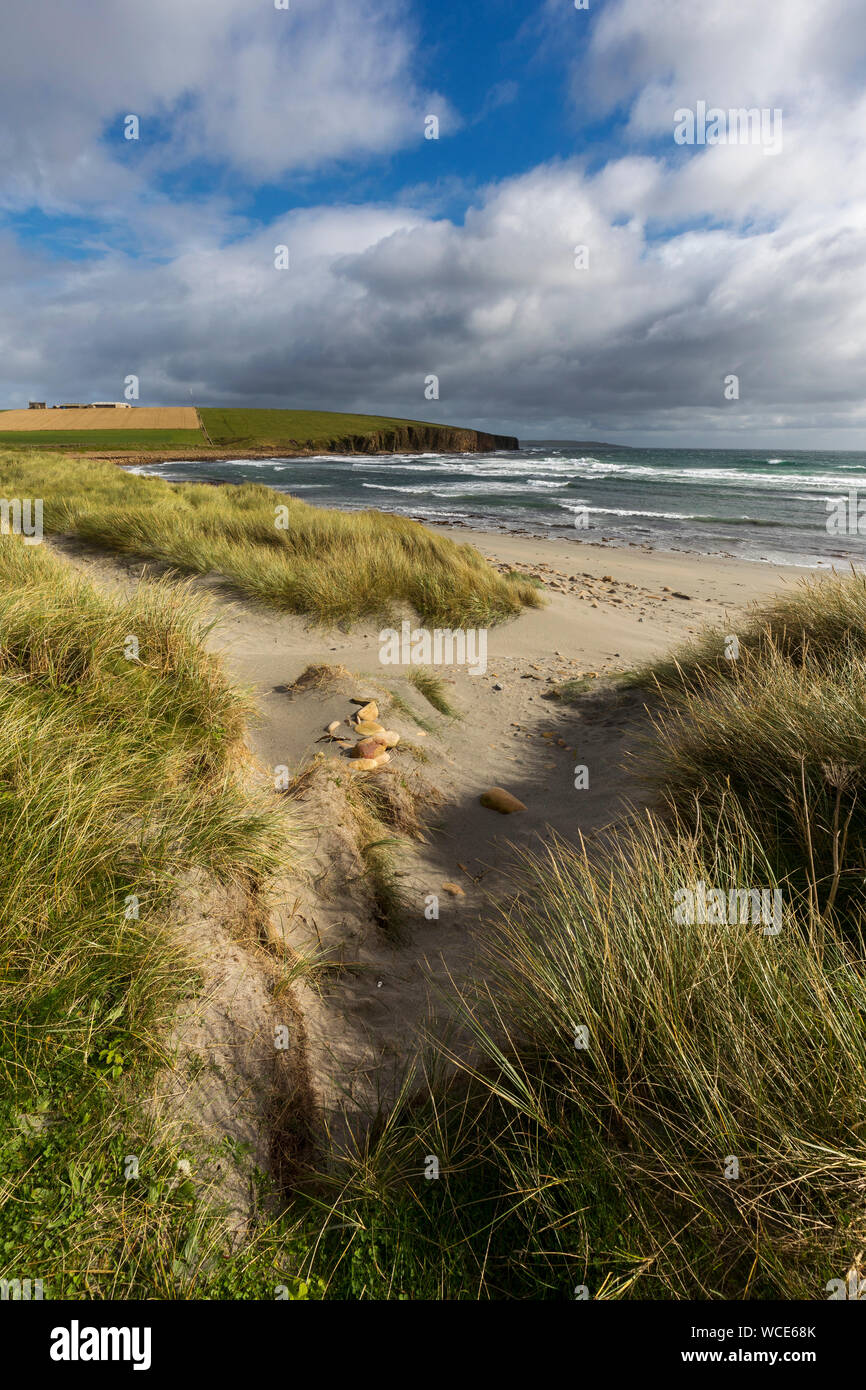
(253,429)
(304,427)
(102,439)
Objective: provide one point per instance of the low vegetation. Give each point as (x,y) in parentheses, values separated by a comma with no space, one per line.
(119,779)
(802,783)
(632,1103)
(102,441)
(265,431)
(657,1105)
(306,428)
(336,567)
(818,622)
(432,687)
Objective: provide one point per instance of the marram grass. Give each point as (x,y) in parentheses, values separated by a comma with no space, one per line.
(118,778)
(608,1166)
(707,1138)
(336,567)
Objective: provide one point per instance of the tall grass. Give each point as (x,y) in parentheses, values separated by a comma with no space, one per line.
(605,1166)
(653,1107)
(117,778)
(338,567)
(818,622)
(783,744)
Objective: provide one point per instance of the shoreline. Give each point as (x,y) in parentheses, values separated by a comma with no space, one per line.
(457,528)
(615,606)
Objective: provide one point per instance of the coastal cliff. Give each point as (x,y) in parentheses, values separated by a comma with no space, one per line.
(422,439)
(401,439)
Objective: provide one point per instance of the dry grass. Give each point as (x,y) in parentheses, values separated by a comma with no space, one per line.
(705,1139)
(337,567)
(139,417)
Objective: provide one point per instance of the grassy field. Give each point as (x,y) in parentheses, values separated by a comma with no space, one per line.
(335,566)
(304,427)
(659,1107)
(102,441)
(223,428)
(118,779)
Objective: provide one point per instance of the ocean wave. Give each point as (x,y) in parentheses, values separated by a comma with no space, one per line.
(535,471)
(461,488)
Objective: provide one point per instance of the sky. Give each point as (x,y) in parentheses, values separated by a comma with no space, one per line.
(560,261)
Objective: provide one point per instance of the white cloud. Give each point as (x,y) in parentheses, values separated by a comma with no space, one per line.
(701,263)
(259,90)
(740,53)
(378,298)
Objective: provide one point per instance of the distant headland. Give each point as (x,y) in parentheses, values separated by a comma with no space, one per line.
(134,433)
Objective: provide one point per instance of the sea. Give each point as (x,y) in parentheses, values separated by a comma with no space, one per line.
(786,508)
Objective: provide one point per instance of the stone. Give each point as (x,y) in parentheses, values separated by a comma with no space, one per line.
(498,799)
(367,726)
(368,713)
(368,748)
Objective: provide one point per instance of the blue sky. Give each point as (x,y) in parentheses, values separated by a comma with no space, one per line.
(453,258)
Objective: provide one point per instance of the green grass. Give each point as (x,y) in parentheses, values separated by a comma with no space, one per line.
(561,1166)
(403,707)
(337,567)
(102,440)
(117,778)
(783,745)
(607,1166)
(432,687)
(324,430)
(570,691)
(303,427)
(776,735)
(819,621)
(518,577)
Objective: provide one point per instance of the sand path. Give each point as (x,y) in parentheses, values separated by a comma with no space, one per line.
(607,609)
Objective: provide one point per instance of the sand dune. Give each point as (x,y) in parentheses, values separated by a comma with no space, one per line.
(628,606)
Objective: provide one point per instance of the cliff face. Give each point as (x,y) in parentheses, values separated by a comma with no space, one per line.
(407,439)
(421,439)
